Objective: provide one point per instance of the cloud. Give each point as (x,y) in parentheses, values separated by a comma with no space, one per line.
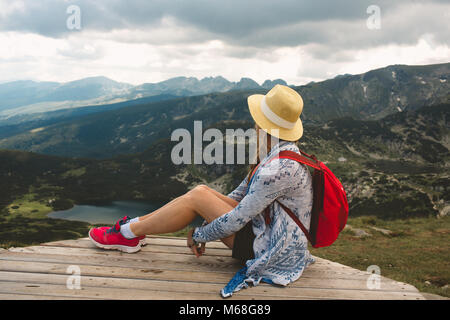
(424,51)
(152,40)
(266,23)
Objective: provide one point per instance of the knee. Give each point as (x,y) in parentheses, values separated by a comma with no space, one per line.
(198,192)
(202,188)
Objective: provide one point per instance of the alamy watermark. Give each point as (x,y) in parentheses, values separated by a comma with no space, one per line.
(374,280)
(73,282)
(224,148)
(213,153)
(73,21)
(373,22)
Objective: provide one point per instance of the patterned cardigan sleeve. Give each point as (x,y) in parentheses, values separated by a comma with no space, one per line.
(268,184)
(239,193)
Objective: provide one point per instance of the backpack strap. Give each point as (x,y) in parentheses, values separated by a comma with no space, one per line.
(311,161)
(297,221)
(318,191)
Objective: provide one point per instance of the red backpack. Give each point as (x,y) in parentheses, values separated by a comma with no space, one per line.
(330,207)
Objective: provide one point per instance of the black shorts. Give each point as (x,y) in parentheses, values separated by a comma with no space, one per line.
(243,244)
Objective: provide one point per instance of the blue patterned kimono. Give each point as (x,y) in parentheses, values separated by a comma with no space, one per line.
(280,248)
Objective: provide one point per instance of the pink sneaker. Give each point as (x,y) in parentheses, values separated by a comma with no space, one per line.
(113,239)
(123,221)
(141,238)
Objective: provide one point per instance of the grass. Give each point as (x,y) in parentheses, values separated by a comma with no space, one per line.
(19,231)
(78,172)
(417,252)
(28,206)
(24,222)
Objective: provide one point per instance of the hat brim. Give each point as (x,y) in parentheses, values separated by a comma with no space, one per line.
(254,106)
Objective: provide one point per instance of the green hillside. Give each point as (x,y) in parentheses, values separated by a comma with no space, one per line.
(132,129)
(391,168)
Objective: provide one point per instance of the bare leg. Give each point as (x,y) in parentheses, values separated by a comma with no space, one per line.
(228,200)
(157,210)
(181,211)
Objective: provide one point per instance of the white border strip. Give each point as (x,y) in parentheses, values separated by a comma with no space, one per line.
(274,117)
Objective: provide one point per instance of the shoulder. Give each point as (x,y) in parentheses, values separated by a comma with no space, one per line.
(279,169)
(299,168)
(286,170)
(272,165)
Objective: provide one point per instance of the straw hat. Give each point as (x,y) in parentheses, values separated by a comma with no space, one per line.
(278,112)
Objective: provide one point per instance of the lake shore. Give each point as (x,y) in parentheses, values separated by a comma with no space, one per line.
(107,213)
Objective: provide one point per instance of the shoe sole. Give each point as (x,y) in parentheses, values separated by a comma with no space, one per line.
(126,249)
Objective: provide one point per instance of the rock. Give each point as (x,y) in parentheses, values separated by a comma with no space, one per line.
(360,233)
(383,231)
(445,211)
(428,283)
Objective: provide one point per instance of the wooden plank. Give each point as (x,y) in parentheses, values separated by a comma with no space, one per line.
(146,264)
(327,268)
(157,248)
(182,287)
(117,288)
(180,275)
(165,256)
(88,293)
(322,269)
(86,243)
(25,296)
(224,252)
(173,262)
(217,277)
(181,242)
(207,262)
(174,241)
(164,248)
(192,263)
(336,267)
(167,268)
(147,256)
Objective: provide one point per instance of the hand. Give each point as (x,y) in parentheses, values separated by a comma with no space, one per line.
(198,251)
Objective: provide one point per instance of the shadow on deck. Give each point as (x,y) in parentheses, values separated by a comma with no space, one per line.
(166,269)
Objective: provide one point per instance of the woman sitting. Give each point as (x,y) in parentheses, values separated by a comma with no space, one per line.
(274,247)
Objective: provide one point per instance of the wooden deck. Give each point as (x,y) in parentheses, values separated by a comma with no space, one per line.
(166,269)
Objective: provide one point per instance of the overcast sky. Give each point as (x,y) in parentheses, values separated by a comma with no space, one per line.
(153,40)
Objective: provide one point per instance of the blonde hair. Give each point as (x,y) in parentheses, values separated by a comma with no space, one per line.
(266,143)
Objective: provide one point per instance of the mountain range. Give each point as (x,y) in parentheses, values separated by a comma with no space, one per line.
(385,134)
(131,127)
(24,97)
